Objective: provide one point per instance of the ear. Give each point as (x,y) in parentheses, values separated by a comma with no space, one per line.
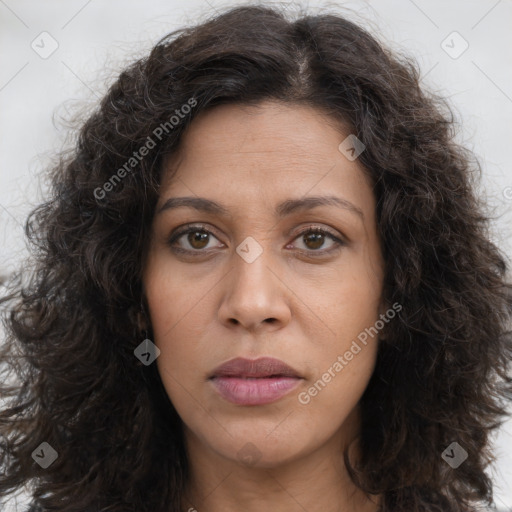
(138,318)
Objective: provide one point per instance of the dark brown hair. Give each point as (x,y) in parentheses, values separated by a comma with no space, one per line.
(441,373)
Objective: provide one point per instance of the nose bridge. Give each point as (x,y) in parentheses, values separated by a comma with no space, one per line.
(251,269)
(253,292)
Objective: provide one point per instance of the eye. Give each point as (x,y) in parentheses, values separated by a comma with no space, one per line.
(199,236)
(196,239)
(314,237)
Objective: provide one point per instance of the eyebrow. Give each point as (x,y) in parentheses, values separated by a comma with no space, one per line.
(282,210)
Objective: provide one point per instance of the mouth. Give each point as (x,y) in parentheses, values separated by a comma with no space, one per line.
(264,367)
(254,382)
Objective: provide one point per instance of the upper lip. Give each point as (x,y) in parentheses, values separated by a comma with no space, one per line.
(262,367)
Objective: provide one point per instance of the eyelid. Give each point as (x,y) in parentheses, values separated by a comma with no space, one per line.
(318,227)
(339,240)
(186,228)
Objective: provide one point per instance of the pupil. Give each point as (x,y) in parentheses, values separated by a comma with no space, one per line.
(198,237)
(316,238)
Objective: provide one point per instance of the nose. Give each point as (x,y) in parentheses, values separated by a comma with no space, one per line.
(254,295)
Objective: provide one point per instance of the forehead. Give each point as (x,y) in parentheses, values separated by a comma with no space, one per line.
(274,150)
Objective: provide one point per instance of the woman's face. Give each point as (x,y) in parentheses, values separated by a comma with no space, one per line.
(254,279)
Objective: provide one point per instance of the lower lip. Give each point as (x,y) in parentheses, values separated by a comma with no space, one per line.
(254,391)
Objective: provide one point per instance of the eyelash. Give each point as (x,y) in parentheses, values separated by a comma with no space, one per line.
(309,229)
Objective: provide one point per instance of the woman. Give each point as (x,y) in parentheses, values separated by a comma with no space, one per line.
(263,282)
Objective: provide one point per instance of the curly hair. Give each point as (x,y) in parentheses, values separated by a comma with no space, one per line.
(442,370)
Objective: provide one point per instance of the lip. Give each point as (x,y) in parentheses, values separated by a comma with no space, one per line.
(254,382)
(257,368)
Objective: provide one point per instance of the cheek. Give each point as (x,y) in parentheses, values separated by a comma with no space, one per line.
(331,308)
(179,319)
(345,373)
(346,341)
(329,312)
(346,304)
(165,294)
(168,314)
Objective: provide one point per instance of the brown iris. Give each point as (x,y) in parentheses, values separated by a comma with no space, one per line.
(199,237)
(316,238)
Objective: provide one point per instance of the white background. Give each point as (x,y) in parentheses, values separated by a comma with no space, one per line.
(96,38)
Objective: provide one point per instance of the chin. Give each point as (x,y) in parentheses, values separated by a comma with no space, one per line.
(256,450)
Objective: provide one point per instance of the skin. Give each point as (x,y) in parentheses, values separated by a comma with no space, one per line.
(286,304)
